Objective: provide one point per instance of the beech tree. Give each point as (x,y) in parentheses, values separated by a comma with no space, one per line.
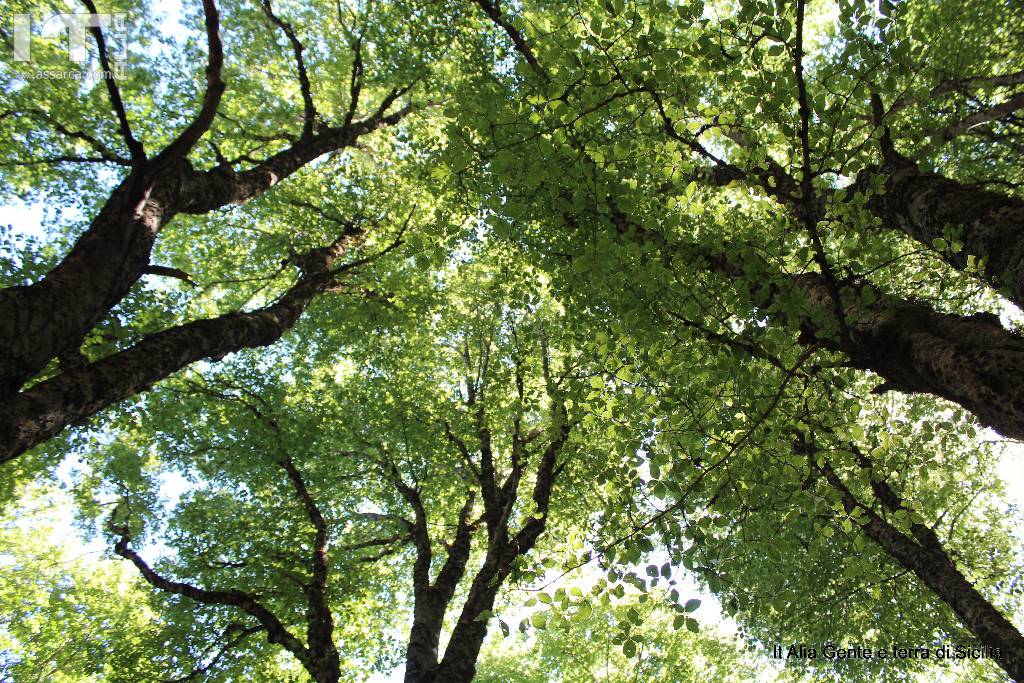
(249,154)
(479,416)
(371,333)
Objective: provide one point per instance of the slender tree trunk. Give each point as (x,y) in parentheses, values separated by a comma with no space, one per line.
(463,649)
(926,558)
(458,665)
(324,662)
(45,409)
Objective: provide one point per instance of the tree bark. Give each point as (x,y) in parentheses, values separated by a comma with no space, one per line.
(277,632)
(318,655)
(45,409)
(430,600)
(39,321)
(323,654)
(989,225)
(970,360)
(927,559)
(459,662)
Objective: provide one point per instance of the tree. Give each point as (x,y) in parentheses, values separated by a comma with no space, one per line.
(472,410)
(618,97)
(722,289)
(601,111)
(52,317)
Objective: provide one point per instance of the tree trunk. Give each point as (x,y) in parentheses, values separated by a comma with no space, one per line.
(45,409)
(930,563)
(421,653)
(327,672)
(431,599)
(39,321)
(970,360)
(460,655)
(989,225)
(458,665)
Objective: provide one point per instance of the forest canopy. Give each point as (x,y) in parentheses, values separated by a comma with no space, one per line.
(451,340)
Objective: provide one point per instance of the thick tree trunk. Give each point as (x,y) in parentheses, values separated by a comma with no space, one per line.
(431,599)
(970,360)
(45,409)
(39,321)
(927,559)
(990,225)
(421,654)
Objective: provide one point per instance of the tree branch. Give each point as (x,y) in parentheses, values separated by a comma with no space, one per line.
(309,110)
(135,149)
(981,117)
(356,80)
(243,633)
(492,9)
(215,86)
(247,602)
(809,214)
(319,620)
(99,147)
(43,410)
(168,271)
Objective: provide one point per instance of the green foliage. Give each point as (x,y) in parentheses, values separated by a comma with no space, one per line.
(577,212)
(592,648)
(69,615)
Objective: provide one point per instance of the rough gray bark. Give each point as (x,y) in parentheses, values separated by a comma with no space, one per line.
(45,409)
(48,319)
